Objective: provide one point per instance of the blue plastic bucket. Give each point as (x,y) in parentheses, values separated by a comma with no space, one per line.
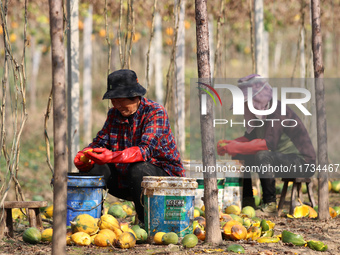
(84,195)
(168,204)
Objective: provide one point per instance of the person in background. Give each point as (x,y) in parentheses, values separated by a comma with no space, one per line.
(269,145)
(135,141)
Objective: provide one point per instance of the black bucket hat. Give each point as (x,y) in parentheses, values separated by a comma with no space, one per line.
(122,84)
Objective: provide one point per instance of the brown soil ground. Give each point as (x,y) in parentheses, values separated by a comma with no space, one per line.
(311,229)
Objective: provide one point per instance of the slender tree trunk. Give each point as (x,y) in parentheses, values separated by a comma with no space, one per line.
(36,57)
(180,81)
(72,82)
(59,127)
(213,233)
(259,29)
(320,109)
(87,77)
(158,59)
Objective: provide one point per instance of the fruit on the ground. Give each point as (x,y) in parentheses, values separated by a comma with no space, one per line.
(101,240)
(225,217)
(332,212)
(249,211)
(110,234)
(312,212)
(84,223)
(135,227)
(127,209)
(226,231)
(266,239)
(257,200)
(189,241)
(200,233)
(266,225)
(46,235)
(108,221)
(317,245)
(337,209)
(126,240)
(235,248)
(196,213)
(233,209)
(31,235)
(124,226)
(301,211)
(237,218)
(129,203)
(170,238)
(200,220)
(289,237)
(131,231)
(253,233)
(268,233)
(117,210)
(81,238)
(117,231)
(158,237)
(141,235)
(247,222)
(202,213)
(238,232)
(336,186)
(48,212)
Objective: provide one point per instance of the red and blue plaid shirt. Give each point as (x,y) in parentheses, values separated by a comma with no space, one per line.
(149,129)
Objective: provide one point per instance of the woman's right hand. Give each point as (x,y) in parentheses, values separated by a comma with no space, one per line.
(82,162)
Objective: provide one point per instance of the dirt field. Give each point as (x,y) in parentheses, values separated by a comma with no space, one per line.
(325,231)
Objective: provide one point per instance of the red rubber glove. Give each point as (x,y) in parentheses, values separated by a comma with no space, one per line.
(83,163)
(222,150)
(103,156)
(246,148)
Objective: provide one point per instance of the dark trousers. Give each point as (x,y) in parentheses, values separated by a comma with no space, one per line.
(272,159)
(135,174)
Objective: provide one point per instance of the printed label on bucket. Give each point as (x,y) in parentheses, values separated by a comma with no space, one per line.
(169,214)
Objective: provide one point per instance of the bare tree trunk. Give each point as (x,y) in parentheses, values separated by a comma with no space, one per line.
(72,82)
(213,233)
(36,57)
(320,109)
(259,37)
(59,127)
(87,77)
(180,81)
(158,59)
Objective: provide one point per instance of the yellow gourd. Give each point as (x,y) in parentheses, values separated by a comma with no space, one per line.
(81,238)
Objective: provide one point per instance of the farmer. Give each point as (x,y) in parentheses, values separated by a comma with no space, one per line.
(272,148)
(135,141)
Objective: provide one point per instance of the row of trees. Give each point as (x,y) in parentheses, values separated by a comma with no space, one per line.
(127,19)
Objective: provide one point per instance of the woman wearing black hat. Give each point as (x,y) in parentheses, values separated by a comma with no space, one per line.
(135,141)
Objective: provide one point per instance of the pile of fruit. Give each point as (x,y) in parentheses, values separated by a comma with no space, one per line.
(117,228)
(237,224)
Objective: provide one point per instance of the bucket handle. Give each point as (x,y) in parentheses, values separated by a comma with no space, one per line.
(94,207)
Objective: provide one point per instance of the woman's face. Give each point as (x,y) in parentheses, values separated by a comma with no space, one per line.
(126,106)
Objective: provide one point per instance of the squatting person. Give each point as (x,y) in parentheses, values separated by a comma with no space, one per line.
(135,141)
(270,145)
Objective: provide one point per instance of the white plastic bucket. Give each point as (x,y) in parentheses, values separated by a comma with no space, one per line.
(168,204)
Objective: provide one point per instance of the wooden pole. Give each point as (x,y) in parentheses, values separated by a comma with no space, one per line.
(59,127)
(320,110)
(213,233)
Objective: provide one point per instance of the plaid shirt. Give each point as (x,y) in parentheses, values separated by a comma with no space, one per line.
(149,129)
